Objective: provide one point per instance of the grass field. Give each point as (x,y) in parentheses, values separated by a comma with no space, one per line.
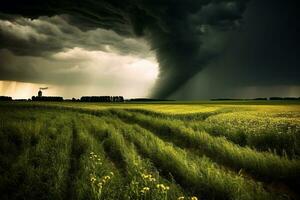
(179,150)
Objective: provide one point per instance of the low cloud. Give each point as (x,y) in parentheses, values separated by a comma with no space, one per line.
(110,73)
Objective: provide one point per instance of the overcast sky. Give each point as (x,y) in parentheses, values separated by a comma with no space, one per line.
(185,50)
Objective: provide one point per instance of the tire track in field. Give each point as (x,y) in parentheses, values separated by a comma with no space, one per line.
(183,117)
(115,157)
(74,164)
(109,152)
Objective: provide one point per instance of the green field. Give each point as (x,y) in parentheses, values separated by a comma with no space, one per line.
(197,150)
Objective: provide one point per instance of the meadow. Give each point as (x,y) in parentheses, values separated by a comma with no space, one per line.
(241,150)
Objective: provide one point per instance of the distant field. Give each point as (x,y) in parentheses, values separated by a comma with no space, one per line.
(170,150)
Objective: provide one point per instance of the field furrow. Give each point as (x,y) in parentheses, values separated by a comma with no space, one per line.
(73,166)
(96,177)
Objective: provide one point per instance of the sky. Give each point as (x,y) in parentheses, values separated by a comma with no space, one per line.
(184,50)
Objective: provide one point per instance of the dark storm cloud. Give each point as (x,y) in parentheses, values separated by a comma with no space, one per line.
(12,68)
(46,35)
(266,51)
(176,30)
(261,56)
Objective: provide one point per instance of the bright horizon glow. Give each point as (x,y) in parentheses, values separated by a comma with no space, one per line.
(20,90)
(95,73)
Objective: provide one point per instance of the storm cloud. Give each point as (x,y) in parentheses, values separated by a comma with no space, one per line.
(204,48)
(177,31)
(47,35)
(261,57)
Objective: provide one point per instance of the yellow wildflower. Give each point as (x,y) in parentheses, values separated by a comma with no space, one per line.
(93,179)
(152,179)
(145,189)
(162,187)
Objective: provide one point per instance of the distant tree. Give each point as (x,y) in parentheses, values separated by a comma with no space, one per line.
(5,98)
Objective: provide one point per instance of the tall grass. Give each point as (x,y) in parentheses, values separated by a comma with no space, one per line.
(199,174)
(261,131)
(40,169)
(261,164)
(95,177)
(143,181)
(66,152)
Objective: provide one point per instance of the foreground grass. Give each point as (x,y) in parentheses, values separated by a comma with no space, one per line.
(84,151)
(40,160)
